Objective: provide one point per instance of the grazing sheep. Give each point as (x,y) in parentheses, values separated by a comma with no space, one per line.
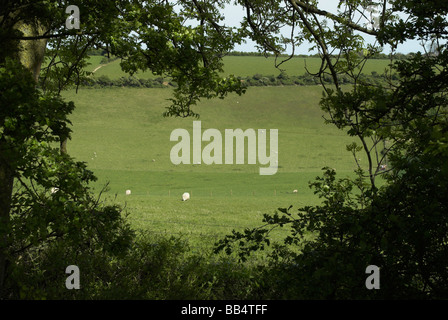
(128,192)
(185,196)
(295,191)
(54,190)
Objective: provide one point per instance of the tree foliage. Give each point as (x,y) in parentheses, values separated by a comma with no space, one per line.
(401,126)
(39,219)
(39,58)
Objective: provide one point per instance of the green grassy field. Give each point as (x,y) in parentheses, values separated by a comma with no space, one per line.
(125,140)
(242,66)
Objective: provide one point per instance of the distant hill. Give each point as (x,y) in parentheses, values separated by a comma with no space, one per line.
(243,66)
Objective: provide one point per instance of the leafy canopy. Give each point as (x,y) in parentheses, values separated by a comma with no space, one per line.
(401,126)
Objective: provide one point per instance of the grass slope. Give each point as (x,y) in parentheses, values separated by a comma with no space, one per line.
(125,140)
(243,66)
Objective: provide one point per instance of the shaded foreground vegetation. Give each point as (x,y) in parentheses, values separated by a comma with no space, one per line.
(152,267)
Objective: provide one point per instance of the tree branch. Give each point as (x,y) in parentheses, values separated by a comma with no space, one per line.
(321,43)
(312,9)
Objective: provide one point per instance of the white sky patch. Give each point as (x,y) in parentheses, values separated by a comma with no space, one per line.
(234,15)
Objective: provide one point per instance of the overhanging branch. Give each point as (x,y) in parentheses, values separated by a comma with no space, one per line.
(308,8)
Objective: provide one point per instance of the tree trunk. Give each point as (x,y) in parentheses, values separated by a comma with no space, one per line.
(63,145)
(31,54)
(6,185)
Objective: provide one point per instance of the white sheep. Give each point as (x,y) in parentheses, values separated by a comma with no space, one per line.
(185,196)
(295,191)
(128,192)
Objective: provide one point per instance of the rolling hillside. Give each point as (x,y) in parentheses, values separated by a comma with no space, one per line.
(124,138)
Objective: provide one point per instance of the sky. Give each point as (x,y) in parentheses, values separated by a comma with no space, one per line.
(235,14)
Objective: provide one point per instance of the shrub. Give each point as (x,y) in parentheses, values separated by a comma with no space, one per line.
(104,81)
(283,76)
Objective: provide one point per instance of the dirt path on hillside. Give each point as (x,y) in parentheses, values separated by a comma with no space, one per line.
(102,65)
